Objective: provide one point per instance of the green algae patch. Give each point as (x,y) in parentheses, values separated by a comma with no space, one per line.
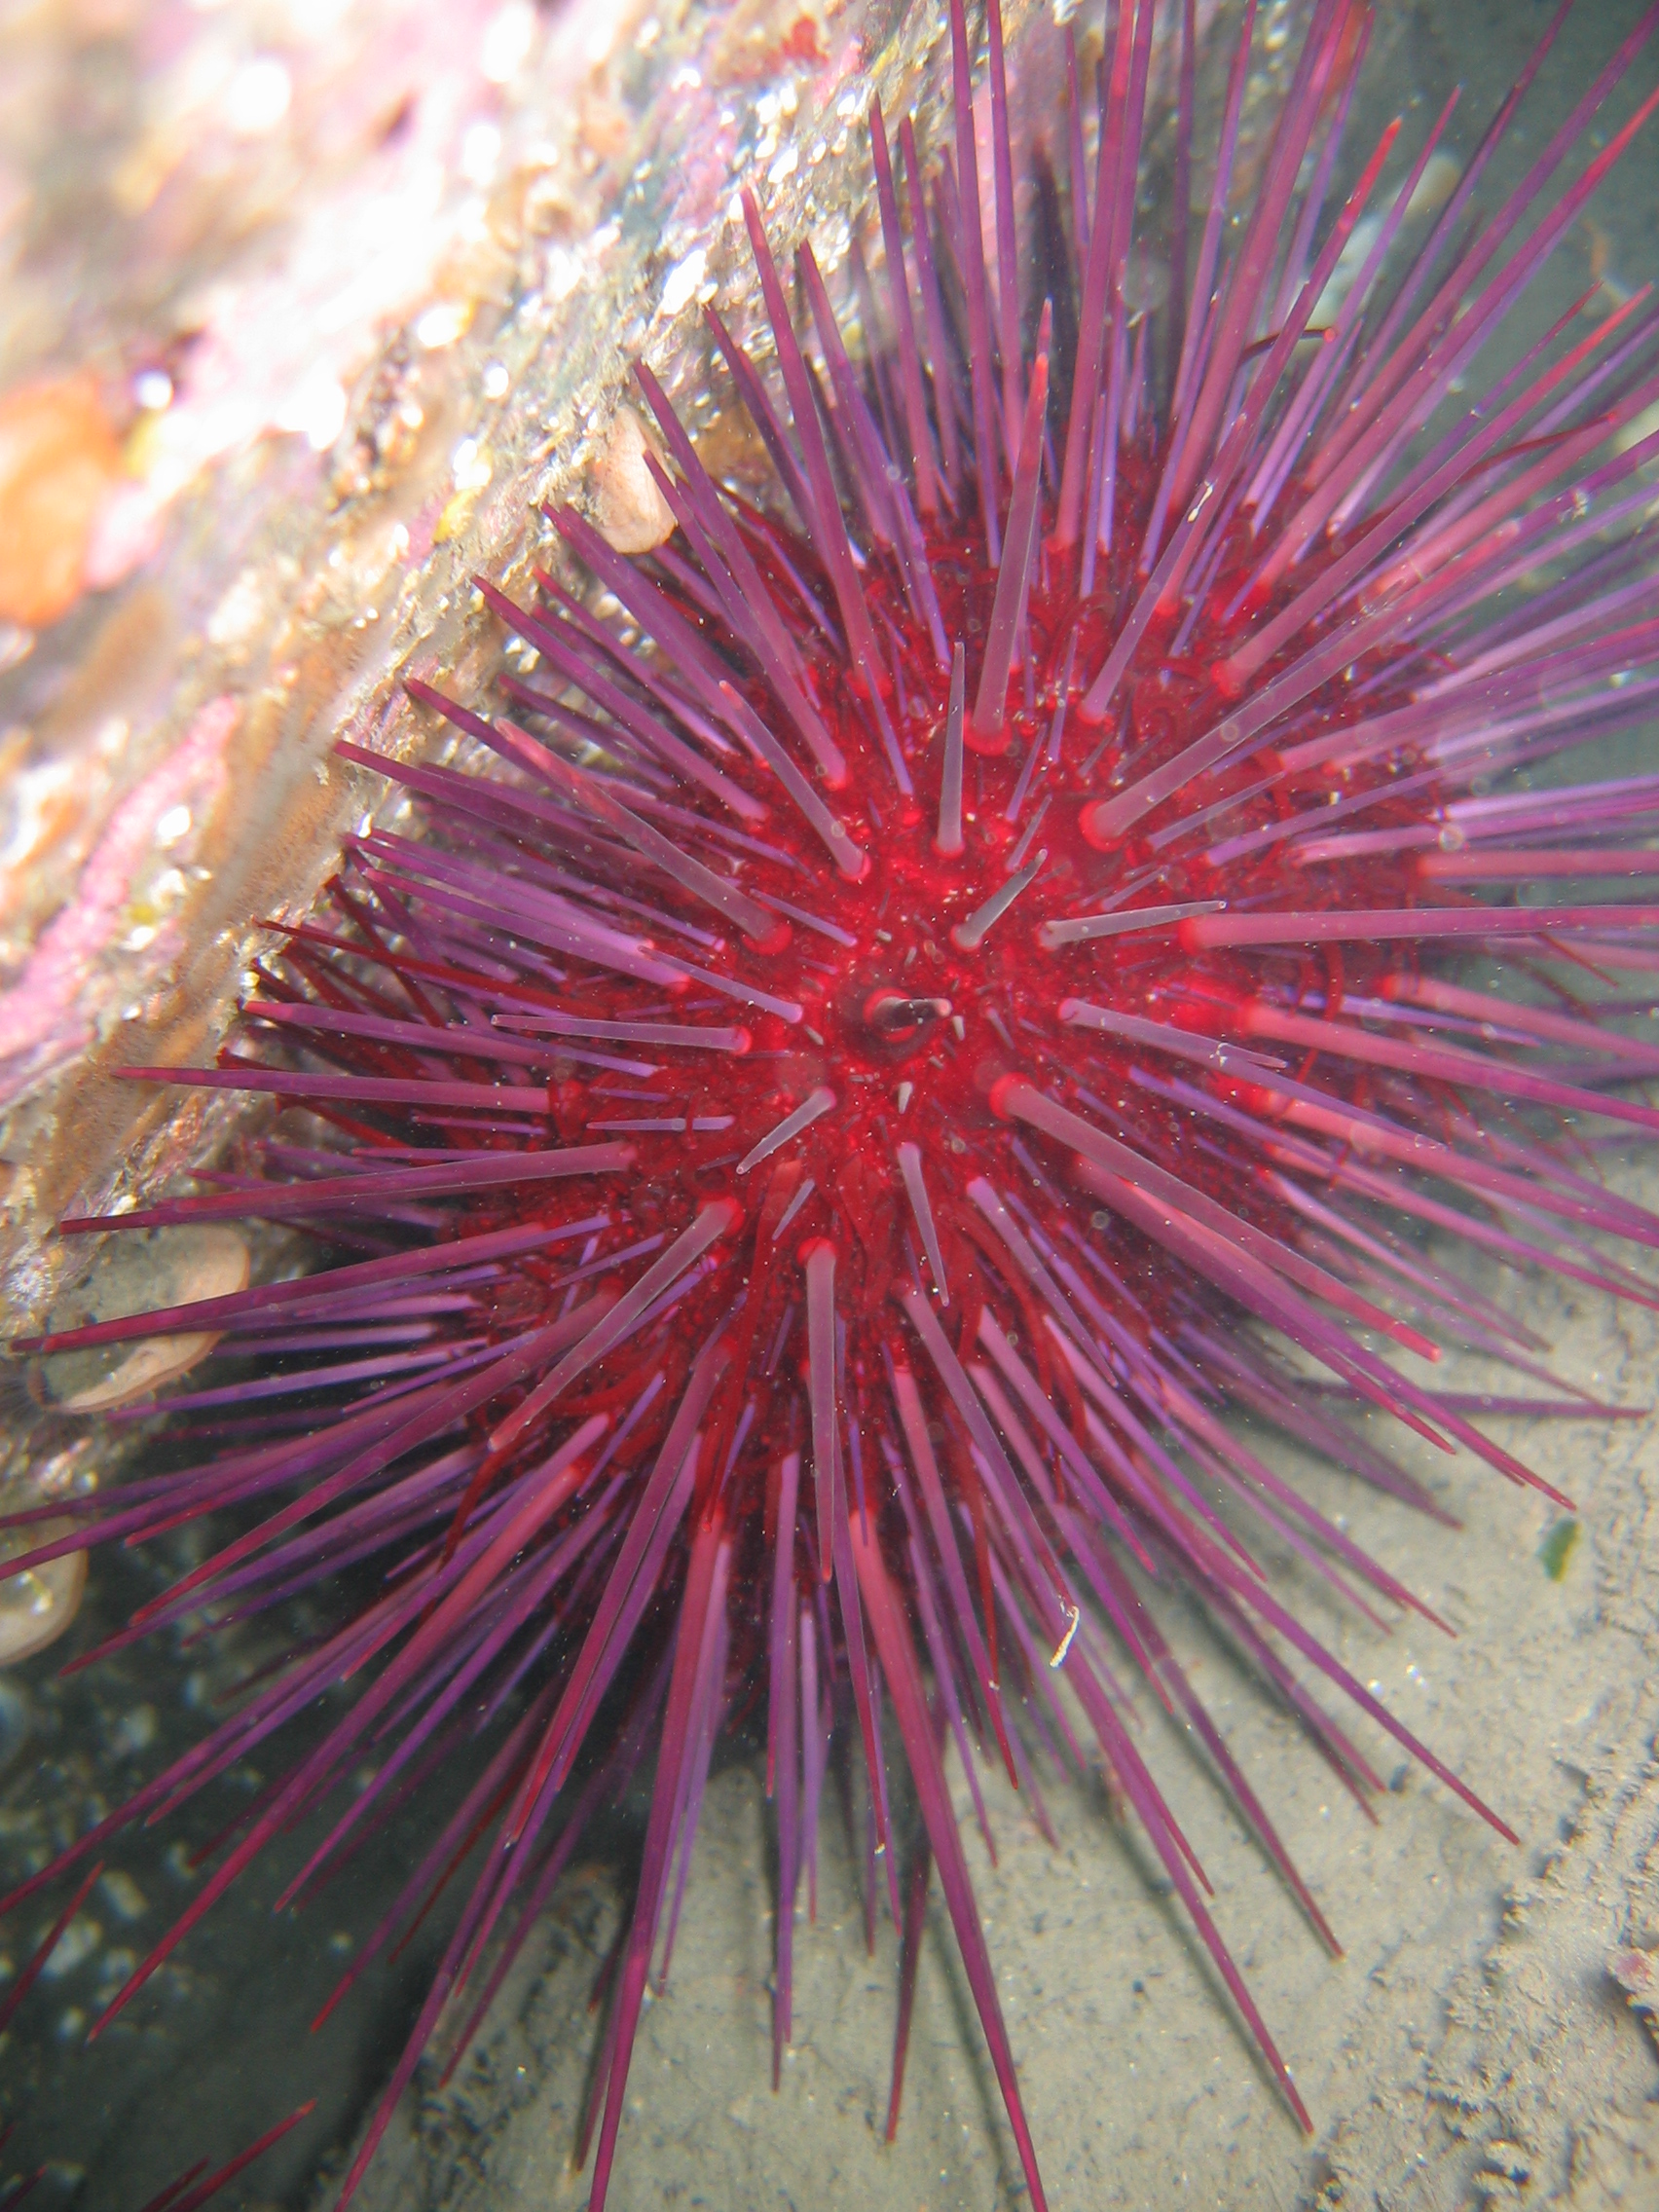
(1558,1547)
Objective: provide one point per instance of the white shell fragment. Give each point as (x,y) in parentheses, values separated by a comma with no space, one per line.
(629,512)
(38,1606)
(135,1273)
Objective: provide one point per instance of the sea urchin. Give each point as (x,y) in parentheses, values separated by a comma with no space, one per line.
(914,1011)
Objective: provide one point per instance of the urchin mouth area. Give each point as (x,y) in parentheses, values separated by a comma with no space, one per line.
(897,1024)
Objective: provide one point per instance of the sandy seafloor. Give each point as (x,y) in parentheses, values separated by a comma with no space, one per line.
(1471,2048)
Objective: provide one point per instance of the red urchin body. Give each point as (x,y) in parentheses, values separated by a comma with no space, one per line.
(839,1099)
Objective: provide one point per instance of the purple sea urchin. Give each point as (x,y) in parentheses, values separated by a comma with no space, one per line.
(775,1096)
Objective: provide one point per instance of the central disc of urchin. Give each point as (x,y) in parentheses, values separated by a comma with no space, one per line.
(896,1022)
